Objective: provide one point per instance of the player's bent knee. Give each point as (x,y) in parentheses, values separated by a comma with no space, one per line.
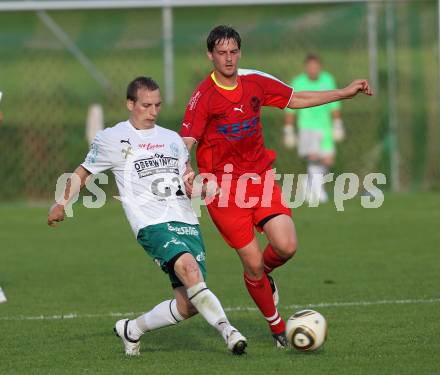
(187,270)
(291,249)
(287,248)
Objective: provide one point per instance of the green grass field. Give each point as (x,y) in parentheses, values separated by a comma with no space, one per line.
(374,274)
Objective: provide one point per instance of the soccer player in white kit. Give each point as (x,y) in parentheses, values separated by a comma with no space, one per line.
(148,162)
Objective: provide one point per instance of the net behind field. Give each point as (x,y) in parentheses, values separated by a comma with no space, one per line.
(47,91)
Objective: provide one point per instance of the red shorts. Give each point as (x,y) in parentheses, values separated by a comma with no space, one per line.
(250,201)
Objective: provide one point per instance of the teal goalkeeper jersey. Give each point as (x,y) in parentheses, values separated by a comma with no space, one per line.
(315,117)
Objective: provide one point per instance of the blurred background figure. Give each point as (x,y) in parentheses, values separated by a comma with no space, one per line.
(318,128)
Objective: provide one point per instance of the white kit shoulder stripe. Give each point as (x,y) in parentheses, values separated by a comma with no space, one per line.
(246,72)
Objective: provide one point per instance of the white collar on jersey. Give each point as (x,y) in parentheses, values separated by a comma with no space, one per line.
(143,132)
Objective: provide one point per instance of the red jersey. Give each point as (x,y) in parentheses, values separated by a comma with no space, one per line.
(226,123)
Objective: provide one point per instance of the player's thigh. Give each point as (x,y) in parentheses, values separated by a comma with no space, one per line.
(166,243)
(194,242)
(272,204)
(281,233)
(234,224)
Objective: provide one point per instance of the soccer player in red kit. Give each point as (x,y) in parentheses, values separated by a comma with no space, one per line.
(223,118)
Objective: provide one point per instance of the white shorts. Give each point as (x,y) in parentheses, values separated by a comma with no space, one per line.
(312,141)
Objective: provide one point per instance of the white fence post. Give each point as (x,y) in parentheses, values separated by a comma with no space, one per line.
(392,97)
(372,45)
(168,53)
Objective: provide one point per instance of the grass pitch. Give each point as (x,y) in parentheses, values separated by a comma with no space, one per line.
(374,274)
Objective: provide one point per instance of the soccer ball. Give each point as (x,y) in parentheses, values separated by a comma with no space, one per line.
(306,330)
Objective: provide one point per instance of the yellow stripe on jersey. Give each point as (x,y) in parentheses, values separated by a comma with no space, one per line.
(220,85)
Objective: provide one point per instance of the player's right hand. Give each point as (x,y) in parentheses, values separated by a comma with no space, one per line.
(289,137)
(209,190)
(205,189)
(56,214)
(357,86)
(188,179)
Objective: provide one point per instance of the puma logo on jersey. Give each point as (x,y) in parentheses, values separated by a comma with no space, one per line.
(126,141)
(186,125)
(239,109)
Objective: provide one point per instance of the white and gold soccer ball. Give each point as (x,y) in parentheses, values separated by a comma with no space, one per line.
(306,330)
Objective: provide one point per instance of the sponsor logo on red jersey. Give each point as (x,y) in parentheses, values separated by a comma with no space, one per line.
(194,99)
(239,130)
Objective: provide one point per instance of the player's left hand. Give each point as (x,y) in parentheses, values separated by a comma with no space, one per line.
(356,87)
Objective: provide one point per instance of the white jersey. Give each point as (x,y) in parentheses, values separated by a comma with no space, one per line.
(148,166)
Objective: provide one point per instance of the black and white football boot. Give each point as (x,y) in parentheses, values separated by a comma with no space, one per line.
(131,346)
(237,343)
(281,340)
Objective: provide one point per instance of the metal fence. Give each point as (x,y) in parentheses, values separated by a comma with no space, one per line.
(55,63)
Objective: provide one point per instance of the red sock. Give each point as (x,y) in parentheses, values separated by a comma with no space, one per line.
(271,259)
(262,295)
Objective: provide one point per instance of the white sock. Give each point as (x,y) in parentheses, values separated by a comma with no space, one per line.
(208,305)
(316,192)
(312,168)
(323,197)
(163,315)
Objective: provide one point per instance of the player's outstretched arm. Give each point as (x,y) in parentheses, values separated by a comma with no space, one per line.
(305,99)
(73,186)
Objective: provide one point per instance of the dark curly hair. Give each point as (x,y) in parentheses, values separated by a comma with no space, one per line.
(220,33)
